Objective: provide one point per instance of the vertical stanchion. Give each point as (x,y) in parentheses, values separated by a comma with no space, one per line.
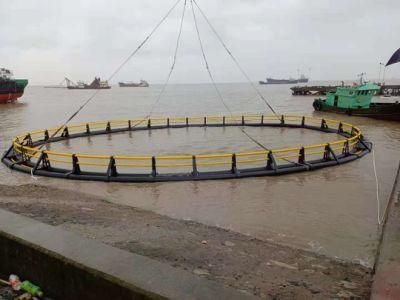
(75,165)
(195,172)
(271,163)
(153,166)
(303,121)
(302,155)
(87,128)
(46,135)
(234,164)
(262,119)
(340,128)
(112,168)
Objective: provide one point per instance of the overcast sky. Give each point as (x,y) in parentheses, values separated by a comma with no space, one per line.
(45,40)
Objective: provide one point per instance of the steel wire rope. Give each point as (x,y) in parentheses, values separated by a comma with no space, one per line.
(114,73)
(219,92)
(173,62)
(235,60)
(214,83)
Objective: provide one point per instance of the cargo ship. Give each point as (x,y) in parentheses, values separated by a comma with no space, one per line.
(10,89)
(142,83)
(96,84)
(302,79)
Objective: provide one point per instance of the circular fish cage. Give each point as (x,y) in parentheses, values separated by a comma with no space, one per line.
(27,154)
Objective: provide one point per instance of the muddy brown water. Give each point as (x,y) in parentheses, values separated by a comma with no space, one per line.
(331,211)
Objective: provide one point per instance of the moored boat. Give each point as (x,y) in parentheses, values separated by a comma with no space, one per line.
(10,89)
(302,79)
(96,84)
(142,83)
(357,101)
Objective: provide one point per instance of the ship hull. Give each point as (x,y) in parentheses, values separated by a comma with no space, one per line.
(132,84)
(279,81)
(10,97)
(382,111)
(88,88)
(11,90)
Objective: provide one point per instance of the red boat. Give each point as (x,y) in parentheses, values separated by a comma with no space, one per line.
(10,89)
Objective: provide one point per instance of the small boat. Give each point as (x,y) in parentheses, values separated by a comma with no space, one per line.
(356,100)
(10,89)
(96,84)
(143,83)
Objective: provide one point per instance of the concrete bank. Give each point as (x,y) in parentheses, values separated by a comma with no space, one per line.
(387,271)
(70,267)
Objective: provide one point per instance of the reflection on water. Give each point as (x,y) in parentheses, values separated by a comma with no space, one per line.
(332,211)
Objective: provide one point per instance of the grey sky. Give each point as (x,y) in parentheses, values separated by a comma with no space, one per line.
(45,40)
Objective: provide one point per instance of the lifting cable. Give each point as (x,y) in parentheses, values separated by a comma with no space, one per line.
(213,81)
(115,72)
(173,63)
(235,60)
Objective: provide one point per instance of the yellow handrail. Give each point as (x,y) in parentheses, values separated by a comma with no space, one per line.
(21,145)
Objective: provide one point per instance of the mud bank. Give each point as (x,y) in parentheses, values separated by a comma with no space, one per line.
(262,268)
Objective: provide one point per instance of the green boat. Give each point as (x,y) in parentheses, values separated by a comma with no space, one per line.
(357,101)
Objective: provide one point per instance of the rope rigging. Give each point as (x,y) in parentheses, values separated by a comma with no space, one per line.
(213,81)
(235,60)
(147,38)
(115,72)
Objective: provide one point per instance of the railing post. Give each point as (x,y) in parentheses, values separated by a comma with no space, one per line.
(112,168)
(262,119)
(205,121)
(329,152)
(303,121)
(346,148)
(352,131)
(242,120)
(282,119)
(234,164)
(46,135)
(108,127)
(87,128)
(153,166)
(302,156)
(187,121)
(149,123)
(340,128)
(42,159)
(167,122)
(65,132)
(28,140)
(323,124)
(129,124)
(271,163)
(195,172)
(223,120)
(76,169)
